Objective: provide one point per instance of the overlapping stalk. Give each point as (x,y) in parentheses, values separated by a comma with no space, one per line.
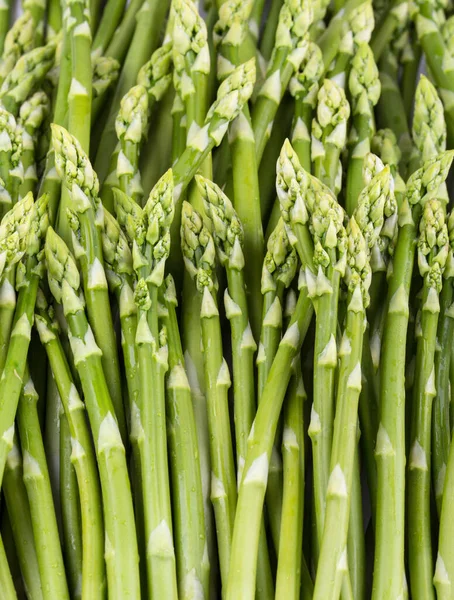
(433,248)
(295,18)
(105,75)
(200,255)
(232,30)
(363,232)
(18,41)
(120,540)
(77,175)
(390,449)
(149,235)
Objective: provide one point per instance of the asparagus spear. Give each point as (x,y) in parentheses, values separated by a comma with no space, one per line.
(110,19)
(232,30)
(433,245)
(438,59)
(241,581)
(329,133)
(14,231)
(121,38)
(390,449)
(364,86)
(394,17)
(5,13)
(363,232)
(37,10)
(37,483)
(295,18)
(120,541)
(149,235)
(131,127)
(304,87)
(76,172)
(199,255)
(18,41)
(193,565)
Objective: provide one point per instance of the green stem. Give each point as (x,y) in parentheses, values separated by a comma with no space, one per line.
(37,483)
(242,574)
(390,448)
(111,16)
(288,576)
(6,581)
(419,473)
(4,23)
(441,432)
(18,508)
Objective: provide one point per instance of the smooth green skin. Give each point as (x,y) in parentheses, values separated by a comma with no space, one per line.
(221,448)
(244,407)
(325,167)
(303,111)
(188,509)
(384,31)
(355,183)
(242,574)
(356,542)
(368,419)
(120,39)
(390,516)
(18,508)
(265,109)
(143,43)
(441,433)
(434,50)
(390,108)
(161,566)
(419,479)
(269,32)
(100,315)
(111,16)
(288,575)
(328,582)
(6,580)
(410,80)
(122,565)
(44,522)
(89,491)
(70,514)
(14,367)
(7,310)
(54,17)
(4,24)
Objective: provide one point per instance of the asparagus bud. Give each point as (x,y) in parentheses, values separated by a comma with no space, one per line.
(18,41)
(105,73)
(433,244)
(364,82)
(429,126)
(281,260)
(155,75)
(330,123)
(62,271)
(14,230)
(305,82)
(198,249)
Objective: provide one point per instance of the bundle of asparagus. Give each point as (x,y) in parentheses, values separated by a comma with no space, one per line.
(226,300)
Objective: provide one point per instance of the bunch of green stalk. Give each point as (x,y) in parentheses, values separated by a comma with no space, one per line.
(226,300)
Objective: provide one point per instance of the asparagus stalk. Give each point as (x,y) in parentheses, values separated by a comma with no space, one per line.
(149,234)
(363,232)
(242,574)
(390,448)
(232,95)
(295,18)
(288,576)
(232,30)
(364,86)
(433,246)
(54,20)
(76,172)
(438,58)
(5,13)
(193,565)
(329,133)
(304,87)
(149,20)
(110,19)
(36,479)
(155,77)
(14,231)
(199,254)
(131,126)
(120,41)
(443,576)
(120,541)
(394,17)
